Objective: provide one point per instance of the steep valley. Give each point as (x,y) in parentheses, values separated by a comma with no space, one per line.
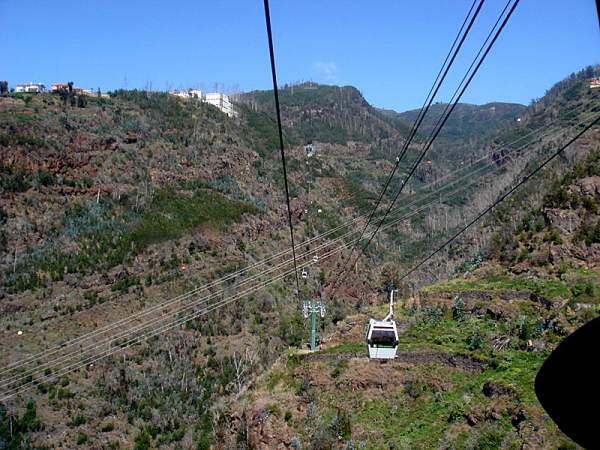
(122,215)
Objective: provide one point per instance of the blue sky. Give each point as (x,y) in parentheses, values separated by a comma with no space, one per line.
(390,50)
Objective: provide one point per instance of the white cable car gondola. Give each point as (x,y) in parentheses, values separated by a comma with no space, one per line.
(309,149)
(382,335)
(304,274)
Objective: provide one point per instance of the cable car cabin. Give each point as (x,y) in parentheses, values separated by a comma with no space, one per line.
(382,339)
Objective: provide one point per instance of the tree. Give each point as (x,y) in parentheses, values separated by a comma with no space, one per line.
(459,309)
(241,365)
(390,274)
(589,72)
(81,101)
(3,87)
(64,96)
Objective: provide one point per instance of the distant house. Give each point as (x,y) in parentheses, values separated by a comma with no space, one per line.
(595,83)
(30,87)
(56,87)
(222,102)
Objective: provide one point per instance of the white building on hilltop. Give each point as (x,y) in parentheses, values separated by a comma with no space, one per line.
(30,87)
(217,99)
(188,93)
(222,102)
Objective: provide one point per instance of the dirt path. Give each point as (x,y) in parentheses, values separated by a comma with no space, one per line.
(419,357)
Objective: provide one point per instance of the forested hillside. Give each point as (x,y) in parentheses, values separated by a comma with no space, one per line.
(144,209)
(471,345)
(112,206)
(468,125)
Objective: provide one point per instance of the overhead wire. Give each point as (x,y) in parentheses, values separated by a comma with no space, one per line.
(439,79)
(461,89)
(52,376)
(389,209)
(343,236)
(280,132)
(501,198)
(391,223)
(209,285)
(90,360)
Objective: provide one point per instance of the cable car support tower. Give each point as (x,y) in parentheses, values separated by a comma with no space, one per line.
(312,309)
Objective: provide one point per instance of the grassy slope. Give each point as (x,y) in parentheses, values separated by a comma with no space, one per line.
(430,404)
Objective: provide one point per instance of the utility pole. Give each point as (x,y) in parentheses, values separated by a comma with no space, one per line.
(313,309)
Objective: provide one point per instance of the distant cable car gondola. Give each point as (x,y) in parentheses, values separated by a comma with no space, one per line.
(382,335)
(309,149)
(304,274)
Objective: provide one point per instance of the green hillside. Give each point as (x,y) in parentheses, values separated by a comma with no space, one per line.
(334,114)
(469,125)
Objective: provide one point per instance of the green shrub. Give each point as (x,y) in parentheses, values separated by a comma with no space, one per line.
(489,440)
(30,141)
(475,340)
(457,412)
(64,394)
(125,283)
(174,436)
(590,234)
(273,409)
(143,440)
(342,425)
(552,235)
(359,197)
(170,214)
(339,368)
(45,178)
(292,330)
(265,137)
(29,421)
(77,421)
(107,428)
(82,438)
(459,309)
(433,315)
(14,180)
